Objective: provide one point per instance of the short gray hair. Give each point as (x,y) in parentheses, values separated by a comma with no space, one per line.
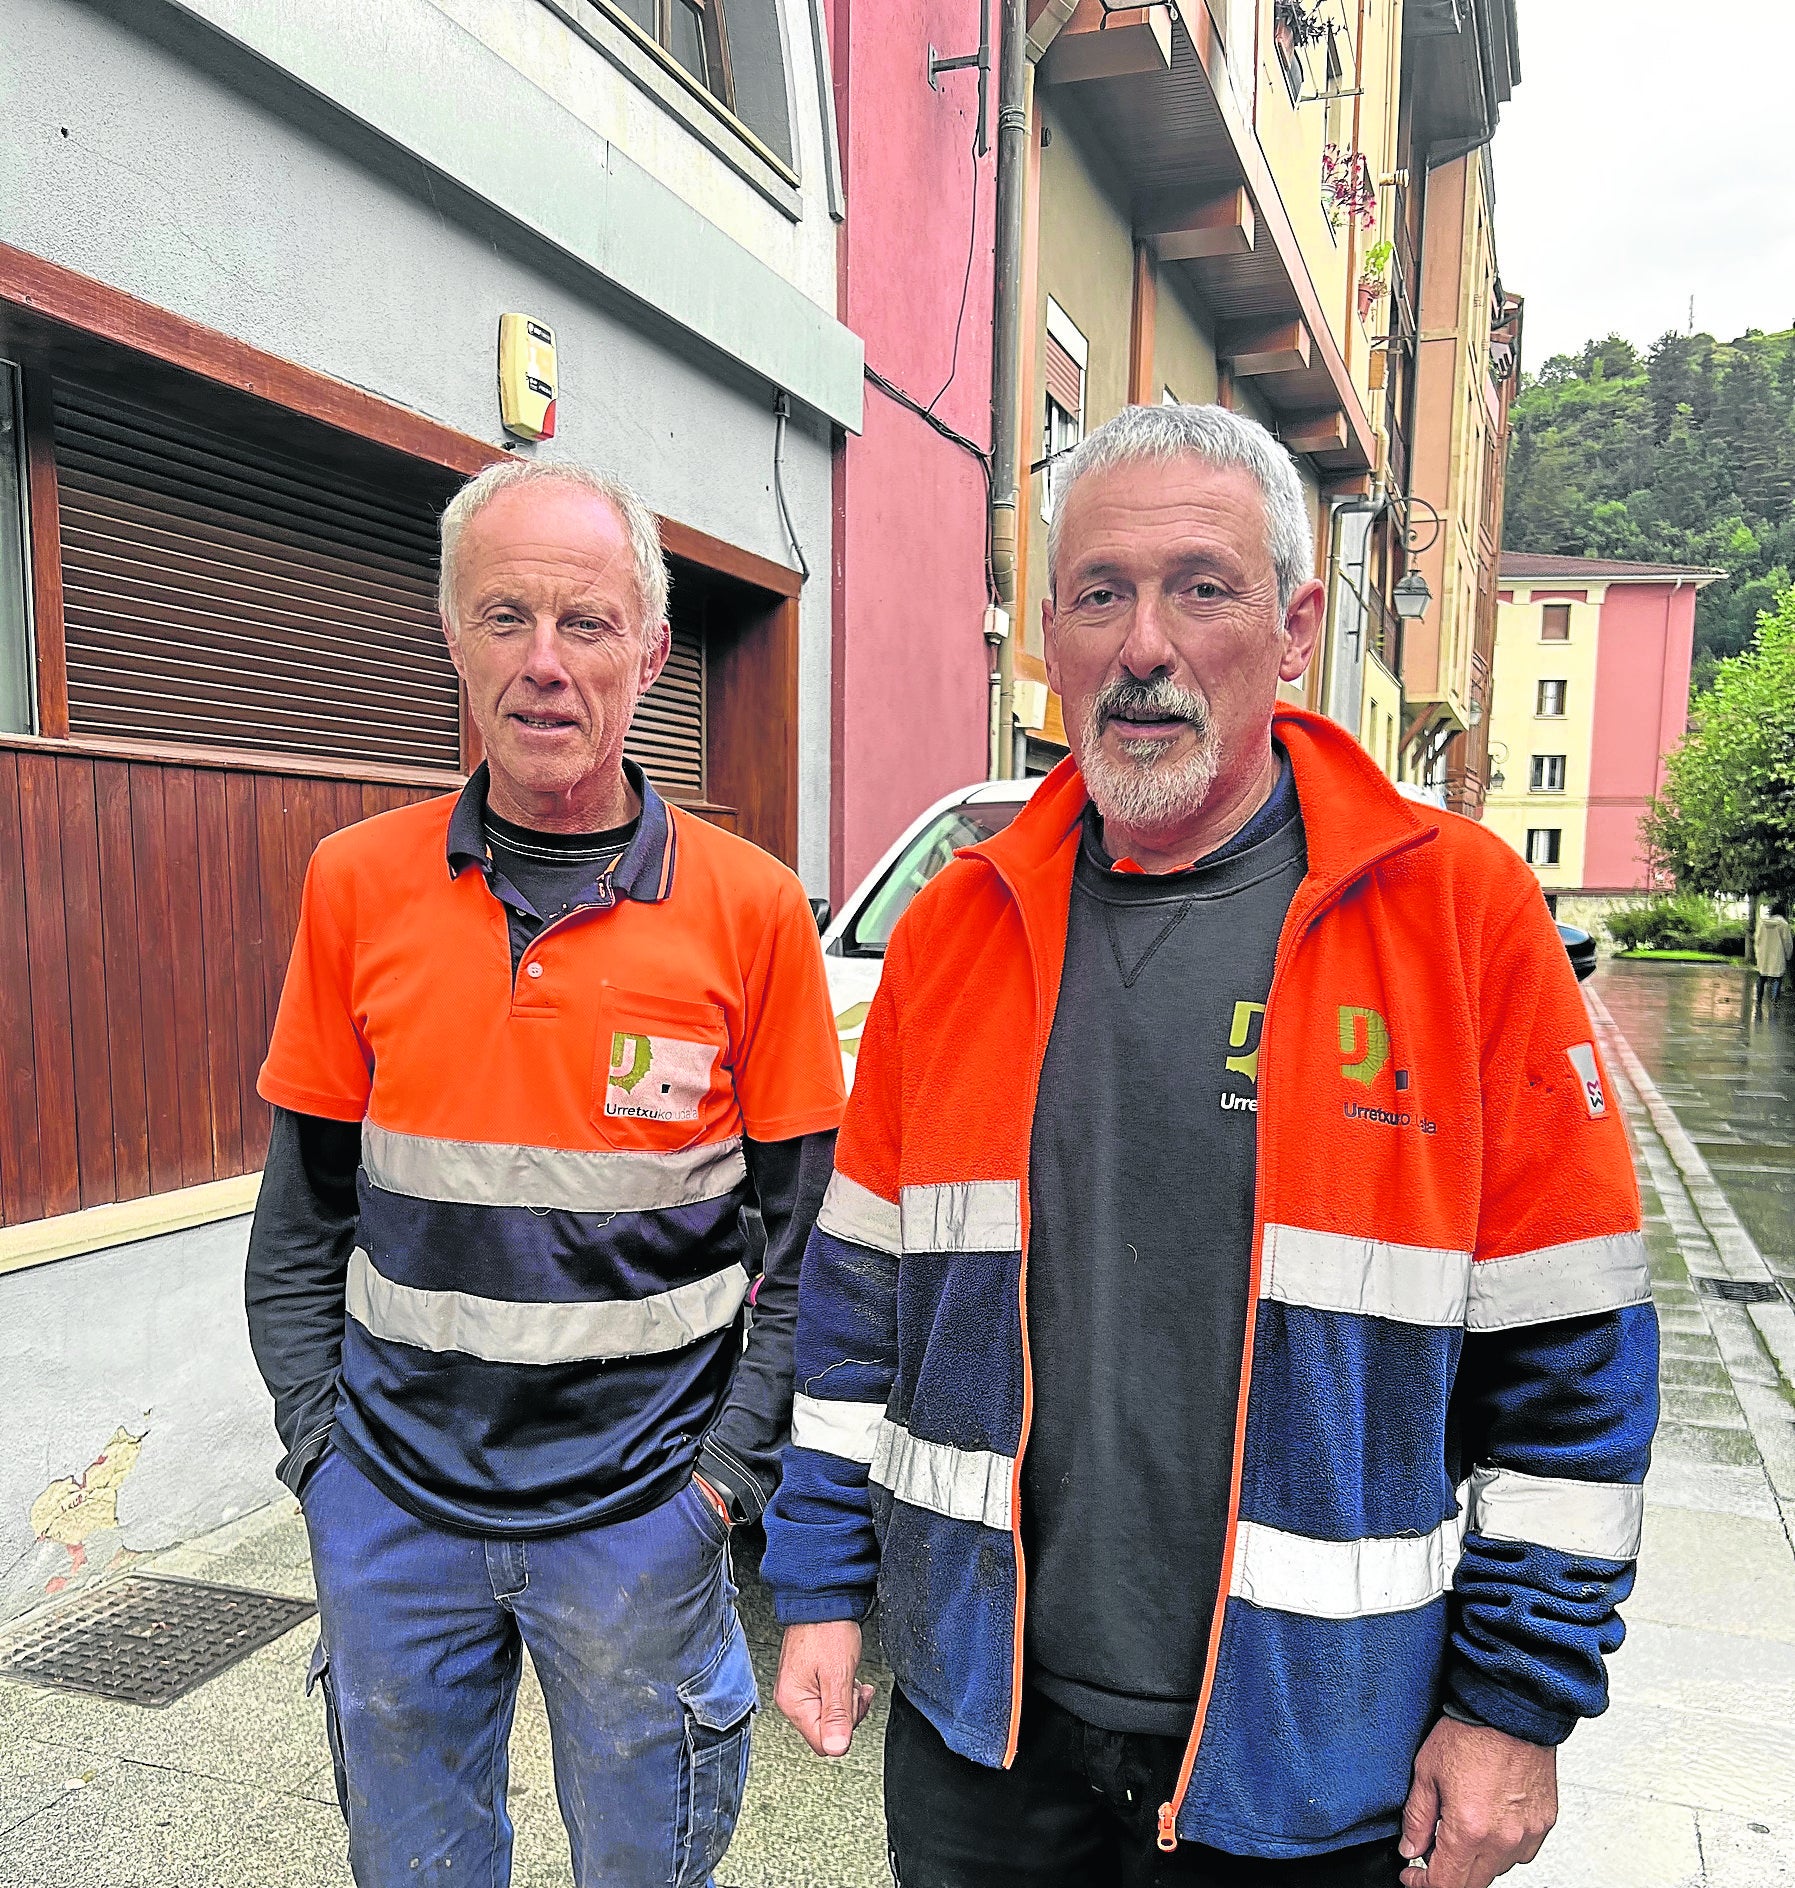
(506,475)
(1218,437)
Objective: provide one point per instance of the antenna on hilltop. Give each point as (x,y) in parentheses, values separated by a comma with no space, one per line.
(1691,314)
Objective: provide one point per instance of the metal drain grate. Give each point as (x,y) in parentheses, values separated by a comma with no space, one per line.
(147,1639)
(1738,1291)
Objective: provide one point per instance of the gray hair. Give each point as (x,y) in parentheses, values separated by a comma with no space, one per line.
(639,523)
(1218,437)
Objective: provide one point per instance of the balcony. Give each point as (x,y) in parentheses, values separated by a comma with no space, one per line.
(1153,86)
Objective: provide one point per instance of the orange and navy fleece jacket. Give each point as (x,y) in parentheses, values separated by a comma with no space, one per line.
(1450,1381)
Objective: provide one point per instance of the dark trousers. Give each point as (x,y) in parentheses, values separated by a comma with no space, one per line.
(1077,1809)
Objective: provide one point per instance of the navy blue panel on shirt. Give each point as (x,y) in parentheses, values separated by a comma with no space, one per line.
(551,1256)
(528,1448)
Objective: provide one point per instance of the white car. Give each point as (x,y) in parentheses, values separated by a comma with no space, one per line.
(855,938)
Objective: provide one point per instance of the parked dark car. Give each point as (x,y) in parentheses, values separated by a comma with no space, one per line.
(1580,948)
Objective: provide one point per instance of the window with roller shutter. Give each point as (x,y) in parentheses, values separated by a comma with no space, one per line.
(221,593)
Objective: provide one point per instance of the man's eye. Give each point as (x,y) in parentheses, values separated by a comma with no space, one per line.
(1098,599)
(1205,591)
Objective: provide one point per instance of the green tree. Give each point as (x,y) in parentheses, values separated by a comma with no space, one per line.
(1686,456)
(1725,822)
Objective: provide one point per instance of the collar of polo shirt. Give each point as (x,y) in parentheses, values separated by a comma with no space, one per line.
(645,872)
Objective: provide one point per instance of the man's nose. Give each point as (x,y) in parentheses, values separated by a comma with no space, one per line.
(1147,650)
(542,662)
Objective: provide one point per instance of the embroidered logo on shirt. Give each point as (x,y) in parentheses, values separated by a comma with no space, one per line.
(1582,1056)
(657,1078)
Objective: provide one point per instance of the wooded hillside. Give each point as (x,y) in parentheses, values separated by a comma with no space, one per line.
(1686,456)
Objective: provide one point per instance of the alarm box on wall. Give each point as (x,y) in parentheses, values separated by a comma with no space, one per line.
(526,377)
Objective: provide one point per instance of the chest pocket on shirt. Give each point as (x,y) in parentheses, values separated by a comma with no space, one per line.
(661,1076)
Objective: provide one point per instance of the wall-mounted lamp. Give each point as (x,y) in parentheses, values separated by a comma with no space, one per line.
(1411,597)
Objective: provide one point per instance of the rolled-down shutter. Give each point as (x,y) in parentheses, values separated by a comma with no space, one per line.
(1065,378)
(667,735)
(220,593)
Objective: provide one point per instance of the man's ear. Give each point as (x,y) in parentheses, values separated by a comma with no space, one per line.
(1050,645)
(654,657)
(448,630)
(1303,621)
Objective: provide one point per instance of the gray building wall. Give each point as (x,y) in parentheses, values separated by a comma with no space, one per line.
(140,1356)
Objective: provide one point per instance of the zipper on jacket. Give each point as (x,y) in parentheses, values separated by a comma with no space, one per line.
(1287,949)
(1028,1379)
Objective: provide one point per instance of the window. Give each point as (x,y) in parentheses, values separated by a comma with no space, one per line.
(1542,844)
(232,578)
(692,34)
(1549,703)
(1067,355)
(926,854)
(15,637)
(1548,773)
(1557,624)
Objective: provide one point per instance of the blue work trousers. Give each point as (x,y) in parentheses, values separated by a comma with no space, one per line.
(633,1632)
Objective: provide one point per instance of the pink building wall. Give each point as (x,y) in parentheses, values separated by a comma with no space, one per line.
(910,664)
(1641,709)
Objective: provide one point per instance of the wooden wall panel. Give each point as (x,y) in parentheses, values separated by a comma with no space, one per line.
(147,910)
(124,990)
(218,973)
(86,970)
(46,936)
(21,1172)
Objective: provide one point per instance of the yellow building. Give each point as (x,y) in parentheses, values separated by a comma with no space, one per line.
(1542,725)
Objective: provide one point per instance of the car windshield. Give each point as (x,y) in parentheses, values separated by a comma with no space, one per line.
(925,855)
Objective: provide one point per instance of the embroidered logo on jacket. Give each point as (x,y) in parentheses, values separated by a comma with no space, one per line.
(1582,1056)
(657,1078)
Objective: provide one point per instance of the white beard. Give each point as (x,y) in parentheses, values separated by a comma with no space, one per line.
(1143,791)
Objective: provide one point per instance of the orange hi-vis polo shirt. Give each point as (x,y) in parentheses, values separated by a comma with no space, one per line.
(545,1299)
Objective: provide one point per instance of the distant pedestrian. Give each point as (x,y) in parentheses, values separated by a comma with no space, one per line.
(1772,947)
(1227,1346)
(542,1043)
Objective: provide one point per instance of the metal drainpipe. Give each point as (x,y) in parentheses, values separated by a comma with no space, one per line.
(1006,356)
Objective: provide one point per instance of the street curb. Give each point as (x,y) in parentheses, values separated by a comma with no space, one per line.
(1746,1335)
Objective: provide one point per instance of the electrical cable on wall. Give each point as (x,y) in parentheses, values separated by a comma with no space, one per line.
(972,243)
(782,411)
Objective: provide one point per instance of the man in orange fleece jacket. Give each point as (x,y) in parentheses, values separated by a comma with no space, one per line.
(1226,1347)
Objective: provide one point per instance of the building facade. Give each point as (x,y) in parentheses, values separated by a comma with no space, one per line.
(253,260)
(1591,694)
(911,693)
(1288,208)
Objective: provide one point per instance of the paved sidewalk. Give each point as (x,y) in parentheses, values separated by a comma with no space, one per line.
(1687,1782)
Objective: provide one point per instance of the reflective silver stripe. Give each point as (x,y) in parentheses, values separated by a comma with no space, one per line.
(963,1484)
(963,1216)
(1600,1518)
(494,1173)
(1293,1573)
(859,1215)
(500,1331)
(1330,1271)
(1573,1280)
(850,1430)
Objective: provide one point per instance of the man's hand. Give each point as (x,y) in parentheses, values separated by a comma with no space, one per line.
(817,1687)
(1481,1802)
